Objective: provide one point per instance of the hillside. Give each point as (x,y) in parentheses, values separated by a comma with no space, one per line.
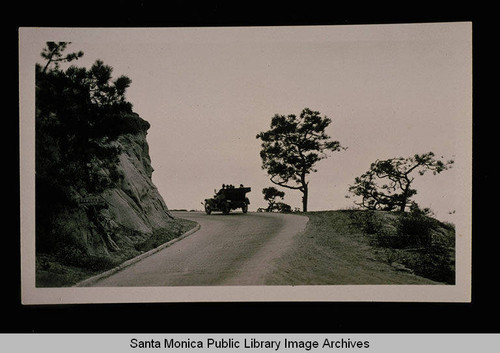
(96,231)
(96,204)
(367,247)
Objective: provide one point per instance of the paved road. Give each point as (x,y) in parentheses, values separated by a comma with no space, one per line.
(234,249)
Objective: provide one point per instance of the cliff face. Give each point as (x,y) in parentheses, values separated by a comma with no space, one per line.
(96,205)
(112,223)
(136,203)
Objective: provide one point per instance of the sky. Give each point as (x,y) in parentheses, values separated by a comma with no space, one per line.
(390,91)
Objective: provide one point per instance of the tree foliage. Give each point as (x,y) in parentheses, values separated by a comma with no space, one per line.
(53,53)
(292,148)
(387,184)
(79,113)
(270,195)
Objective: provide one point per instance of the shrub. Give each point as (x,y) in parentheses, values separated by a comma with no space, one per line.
(368,221)
(77,256)
(416,228)
(436,263)
(413,239)
(283,207)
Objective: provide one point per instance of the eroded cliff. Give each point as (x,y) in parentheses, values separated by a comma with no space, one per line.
(97,231)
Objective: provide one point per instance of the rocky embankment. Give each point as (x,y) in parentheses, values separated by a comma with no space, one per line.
(134,209)
(98,231)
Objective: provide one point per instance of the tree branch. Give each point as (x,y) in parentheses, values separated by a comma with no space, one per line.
(285,185)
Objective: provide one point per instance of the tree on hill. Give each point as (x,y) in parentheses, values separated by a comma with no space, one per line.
(293,146)
(79,113)
(270,195)
(387,184)
(53,53)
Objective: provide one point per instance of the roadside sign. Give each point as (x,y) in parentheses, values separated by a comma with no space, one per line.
(92,201)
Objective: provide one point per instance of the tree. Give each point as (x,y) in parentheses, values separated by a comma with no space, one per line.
(387,184)
(79,112)
(53,54)
(100,89)
(293,146)
(270,195)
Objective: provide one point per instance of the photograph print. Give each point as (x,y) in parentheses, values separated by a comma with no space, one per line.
(286,163)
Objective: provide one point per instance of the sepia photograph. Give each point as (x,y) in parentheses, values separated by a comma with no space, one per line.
(259,163)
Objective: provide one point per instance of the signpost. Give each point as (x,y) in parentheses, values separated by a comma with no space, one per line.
(92,201)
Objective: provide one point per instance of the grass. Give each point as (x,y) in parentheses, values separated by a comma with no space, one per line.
(70,265)
(416,241)
(363,247)
(161,236)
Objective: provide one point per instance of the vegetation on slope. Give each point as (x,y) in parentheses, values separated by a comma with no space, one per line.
(74,264)
(369,247)
(80,116)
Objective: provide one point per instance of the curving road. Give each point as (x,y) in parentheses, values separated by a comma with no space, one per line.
(234,249)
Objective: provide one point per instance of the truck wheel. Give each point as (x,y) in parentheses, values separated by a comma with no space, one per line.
(208,209)
(245,209)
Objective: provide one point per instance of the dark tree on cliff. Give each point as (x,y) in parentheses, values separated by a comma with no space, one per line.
(79,113)
(387,185)
(270,195)
(293,146)
(53,53)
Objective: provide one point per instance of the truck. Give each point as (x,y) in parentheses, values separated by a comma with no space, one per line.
(228,198)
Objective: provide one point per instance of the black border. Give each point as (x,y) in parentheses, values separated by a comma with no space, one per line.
(479,316)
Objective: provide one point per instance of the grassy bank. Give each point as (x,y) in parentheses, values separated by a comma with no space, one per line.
(365,247)
(64,270)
